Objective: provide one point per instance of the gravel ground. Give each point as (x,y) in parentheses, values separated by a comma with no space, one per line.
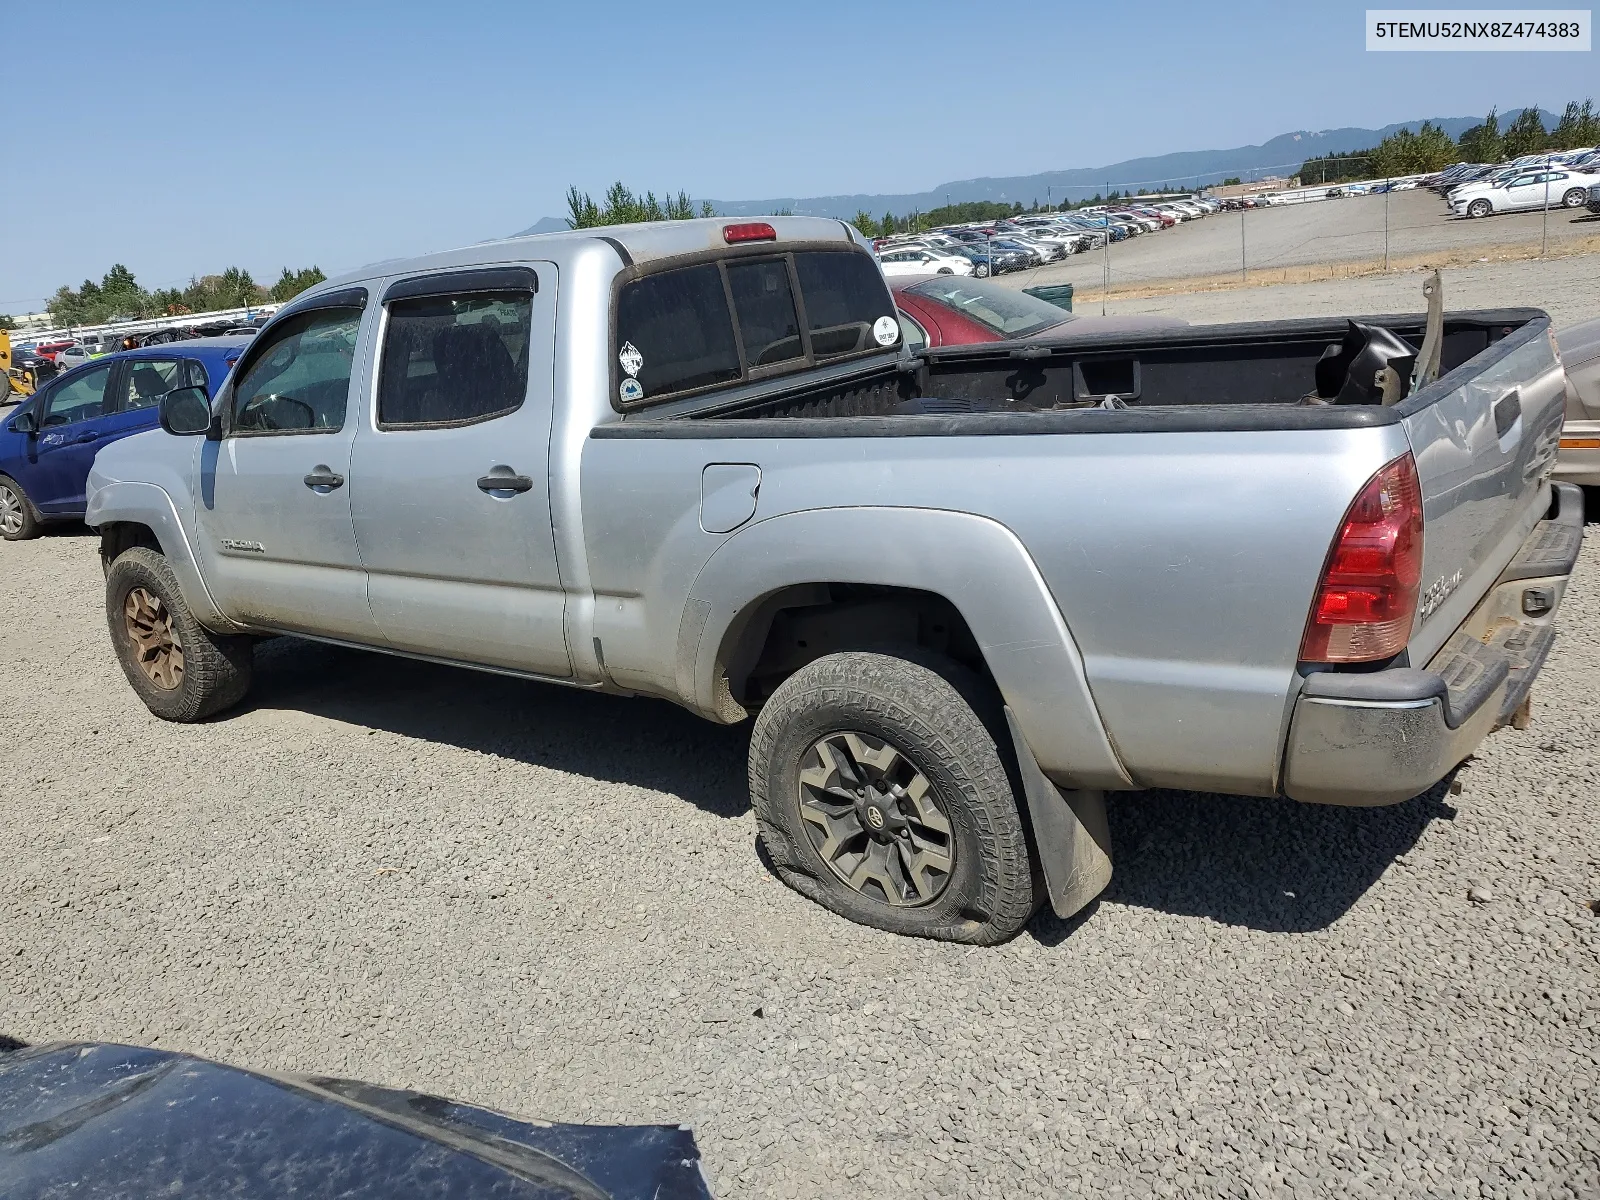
(1297,235)
(1567,288)
(550,903)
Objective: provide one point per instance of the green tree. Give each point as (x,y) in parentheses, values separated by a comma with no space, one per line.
(1429,149)
(1525,135)
(863,221)
(623,207)
(1230,181)
(235,288)
(1482,143)
(1579,126)
(7,321)
(291,283)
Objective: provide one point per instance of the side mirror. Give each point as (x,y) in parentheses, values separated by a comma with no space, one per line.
(186,412)
(25,422)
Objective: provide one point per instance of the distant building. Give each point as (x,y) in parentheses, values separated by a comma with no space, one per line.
(1272,183)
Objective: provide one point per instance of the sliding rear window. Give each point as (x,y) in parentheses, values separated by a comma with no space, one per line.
(686,329)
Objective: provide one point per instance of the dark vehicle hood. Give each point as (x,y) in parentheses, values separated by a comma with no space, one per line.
(104,1121)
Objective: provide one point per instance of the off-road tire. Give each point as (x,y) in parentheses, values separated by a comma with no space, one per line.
(1479,208)
(928,709)
(216,668)
(29,517)
(1575,198)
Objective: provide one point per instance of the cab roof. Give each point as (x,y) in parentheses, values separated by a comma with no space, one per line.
(645,242)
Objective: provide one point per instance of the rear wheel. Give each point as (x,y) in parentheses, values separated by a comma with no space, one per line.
(180,669)
(880,794)
(1479,208)
(18,521)
(1574,198)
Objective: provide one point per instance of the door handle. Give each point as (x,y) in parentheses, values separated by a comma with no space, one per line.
(322,478)
(87,436)
(505,483)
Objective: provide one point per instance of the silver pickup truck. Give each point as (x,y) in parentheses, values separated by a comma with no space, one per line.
(963,593)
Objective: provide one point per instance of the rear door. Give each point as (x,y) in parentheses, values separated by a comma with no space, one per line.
(450,493)
(72,427)
(133,403)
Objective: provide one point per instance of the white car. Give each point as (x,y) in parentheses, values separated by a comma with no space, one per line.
(73,356)
(1529,190)
(916,260)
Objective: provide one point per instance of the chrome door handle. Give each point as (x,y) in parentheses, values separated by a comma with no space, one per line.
(322,478)
(505,483)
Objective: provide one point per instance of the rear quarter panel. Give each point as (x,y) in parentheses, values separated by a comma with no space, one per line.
(1183,563)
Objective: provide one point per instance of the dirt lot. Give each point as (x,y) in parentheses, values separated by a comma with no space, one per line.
(1567,288)
(550,903)
(1302,235)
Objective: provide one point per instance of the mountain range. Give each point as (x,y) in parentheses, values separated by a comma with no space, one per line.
(1183,169)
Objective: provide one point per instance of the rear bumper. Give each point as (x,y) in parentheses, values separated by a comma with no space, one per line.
(1385,736)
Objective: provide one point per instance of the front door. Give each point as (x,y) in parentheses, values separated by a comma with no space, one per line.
(274,512)
(72,427)
(450,487)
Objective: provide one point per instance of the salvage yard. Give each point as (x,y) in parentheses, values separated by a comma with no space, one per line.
(547,902)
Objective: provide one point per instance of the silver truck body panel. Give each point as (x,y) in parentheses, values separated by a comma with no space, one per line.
(452,570)
(1138,597)
(1580,355)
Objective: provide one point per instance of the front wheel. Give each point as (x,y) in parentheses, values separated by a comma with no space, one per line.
(880,794)
(981,270)
(1574,198)
(18,521)
(180,669)
(1479,208)
(945,271)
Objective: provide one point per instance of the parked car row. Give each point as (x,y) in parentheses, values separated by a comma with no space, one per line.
(1533,182)
(1020,243)
(49,441)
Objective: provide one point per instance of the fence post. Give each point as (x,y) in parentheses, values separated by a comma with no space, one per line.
(1105,257)
(1388,186)
(1243,273)
(1544,237)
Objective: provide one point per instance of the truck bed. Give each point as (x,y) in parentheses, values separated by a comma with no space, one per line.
(1238,376)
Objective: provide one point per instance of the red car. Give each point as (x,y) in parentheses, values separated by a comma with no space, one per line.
(954,310)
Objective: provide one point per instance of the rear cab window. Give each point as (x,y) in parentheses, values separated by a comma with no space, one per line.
(683,330)
(454,359)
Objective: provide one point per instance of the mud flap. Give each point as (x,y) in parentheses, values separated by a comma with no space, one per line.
(1069,831)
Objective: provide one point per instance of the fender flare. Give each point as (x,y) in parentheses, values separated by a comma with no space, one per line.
(149,505)
(975,563)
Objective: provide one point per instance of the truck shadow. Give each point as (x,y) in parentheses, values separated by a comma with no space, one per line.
(1273,865)
(646,743)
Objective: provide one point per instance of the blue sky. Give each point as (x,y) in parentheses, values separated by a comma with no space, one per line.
(182,138)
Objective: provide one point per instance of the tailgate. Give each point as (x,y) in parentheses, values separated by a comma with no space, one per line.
(1485,439)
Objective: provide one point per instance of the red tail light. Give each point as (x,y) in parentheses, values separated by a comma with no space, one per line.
(749,231)
(1367,599)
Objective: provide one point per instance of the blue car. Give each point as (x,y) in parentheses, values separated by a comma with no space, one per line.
(48,442)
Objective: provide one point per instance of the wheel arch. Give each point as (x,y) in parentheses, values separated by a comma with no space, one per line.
(129,514)
(887,565)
